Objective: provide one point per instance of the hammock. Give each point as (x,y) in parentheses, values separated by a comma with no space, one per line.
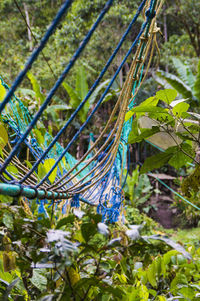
(97,178)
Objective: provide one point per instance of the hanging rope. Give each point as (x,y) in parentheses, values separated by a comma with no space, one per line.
(59,81)
(56,138)
(97,178)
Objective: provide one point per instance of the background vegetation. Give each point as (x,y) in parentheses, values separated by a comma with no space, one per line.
(77,257)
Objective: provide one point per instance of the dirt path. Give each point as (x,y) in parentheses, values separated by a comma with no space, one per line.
(164,214)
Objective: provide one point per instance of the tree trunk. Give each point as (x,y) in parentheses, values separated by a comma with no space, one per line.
(165,32)
(28,27)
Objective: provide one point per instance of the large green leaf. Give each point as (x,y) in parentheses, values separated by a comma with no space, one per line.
(149,109)
(180,108)
(39,136)
(38,279)
(155,161)
(97,91)
(171,243)
(41,171)
(177,84)
(179,157)
(74,97)
(149,102)
(175,156)
(81,83)
(145,109)
(145,133)
(82,90)
(45,167)
(3,136)
(151,274)
(167,95)
(36,88)
(64,221)
(197,84)
(184,72)
(12,169)
(2,92)
(48,164)
(88,230)
(180,280)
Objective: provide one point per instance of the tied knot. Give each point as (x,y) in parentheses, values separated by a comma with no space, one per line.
(150,14)
(75,201)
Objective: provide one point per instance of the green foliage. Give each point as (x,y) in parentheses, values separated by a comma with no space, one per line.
(145,133)
(138,190)
(68,258)
(197,83)
(175,156)
(83,259)
(40,97)
(184,72)
(3,136)
(176,83)
(170,119)
(186,84)
(156,161)
(191,183)
(78,94)
(2,92)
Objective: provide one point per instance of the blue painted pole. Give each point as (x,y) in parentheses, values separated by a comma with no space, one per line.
(17,190)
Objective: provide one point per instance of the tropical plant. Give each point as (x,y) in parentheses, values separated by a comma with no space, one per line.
(78,93)
(169,125)
(185,83)
(138,190)
(77,257)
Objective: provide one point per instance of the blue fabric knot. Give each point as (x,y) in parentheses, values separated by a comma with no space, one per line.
(109,214)
(33,142)
(64,207)
(114,212)
(41,208)
(75,201)
(14,141)
(101,209)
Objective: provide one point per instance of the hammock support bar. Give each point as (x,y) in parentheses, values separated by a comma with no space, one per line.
(16,190)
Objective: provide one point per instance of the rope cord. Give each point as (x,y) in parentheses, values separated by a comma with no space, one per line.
(116,148)
(90,92)
(180,196)
(112,151)
(55,87)
(127,87)
(109,159)
(101,135)
(122,118)
(97,105)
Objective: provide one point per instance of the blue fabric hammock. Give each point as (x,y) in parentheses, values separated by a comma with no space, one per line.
(97,178)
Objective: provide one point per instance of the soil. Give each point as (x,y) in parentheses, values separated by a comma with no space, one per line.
(165,214)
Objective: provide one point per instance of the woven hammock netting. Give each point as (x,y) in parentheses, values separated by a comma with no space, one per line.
(98,177)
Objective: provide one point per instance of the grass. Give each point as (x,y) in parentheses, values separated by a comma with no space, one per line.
(186,236)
